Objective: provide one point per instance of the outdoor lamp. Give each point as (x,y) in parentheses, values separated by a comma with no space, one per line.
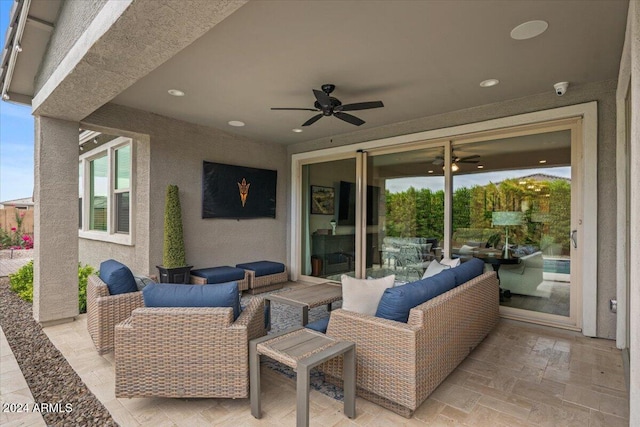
(506,219)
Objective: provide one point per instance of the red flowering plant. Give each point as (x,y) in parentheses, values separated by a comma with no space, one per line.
(16,239)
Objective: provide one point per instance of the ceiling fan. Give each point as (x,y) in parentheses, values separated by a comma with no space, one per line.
(439,160)
(329,106)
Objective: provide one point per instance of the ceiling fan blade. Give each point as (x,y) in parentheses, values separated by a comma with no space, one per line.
(438,162)
(349,118)
(360,106)
(323,98)
(468,161)
(312,120)
(301,109)
(475,156)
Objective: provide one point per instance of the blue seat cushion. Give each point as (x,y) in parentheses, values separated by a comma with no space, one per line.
(319,325)
(219,274)
(173,295)
(118,277)
(396,302)
(263,268)
(468,270)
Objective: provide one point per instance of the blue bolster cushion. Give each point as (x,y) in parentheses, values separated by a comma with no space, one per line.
(172,295)
(468,270)
(118,277)
(219,274)
(263,268)
(396,302)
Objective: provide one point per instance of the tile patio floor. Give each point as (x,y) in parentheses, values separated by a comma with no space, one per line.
(520,375)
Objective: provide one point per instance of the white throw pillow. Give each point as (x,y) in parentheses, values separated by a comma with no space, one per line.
(434,268)
(450,262)
(363,296)
(466,250)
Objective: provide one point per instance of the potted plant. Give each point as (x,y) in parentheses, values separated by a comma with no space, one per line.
(174,268)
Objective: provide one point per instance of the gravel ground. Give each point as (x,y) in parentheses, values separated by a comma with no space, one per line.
(48,374)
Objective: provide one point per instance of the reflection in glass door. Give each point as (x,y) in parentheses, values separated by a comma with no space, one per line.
(328,219)
(405,212)
(511,207)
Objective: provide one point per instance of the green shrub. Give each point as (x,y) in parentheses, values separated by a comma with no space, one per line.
(83,274)
(21,283)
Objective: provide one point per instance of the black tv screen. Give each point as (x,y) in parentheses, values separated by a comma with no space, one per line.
(347,204)
(230,191)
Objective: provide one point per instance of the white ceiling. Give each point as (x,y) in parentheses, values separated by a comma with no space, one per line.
(419,57)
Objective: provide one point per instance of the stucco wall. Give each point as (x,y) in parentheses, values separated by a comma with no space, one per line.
(73,19)
(177,150)
(602,92)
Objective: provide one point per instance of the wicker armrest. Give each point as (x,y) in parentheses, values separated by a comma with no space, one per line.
(385,353)
(104,311)
(252,318)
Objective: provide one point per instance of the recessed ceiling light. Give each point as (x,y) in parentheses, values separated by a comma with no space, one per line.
(175,92)
(236,123)
(542,161)
(296,130)
(480,167)
(489,82)
(430,171)
(529,30)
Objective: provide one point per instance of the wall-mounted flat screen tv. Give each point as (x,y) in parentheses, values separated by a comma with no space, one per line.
(347,204)
(230,191)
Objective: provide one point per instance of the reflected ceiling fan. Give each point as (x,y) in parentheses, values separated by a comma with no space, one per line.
(329,106)
(439,160)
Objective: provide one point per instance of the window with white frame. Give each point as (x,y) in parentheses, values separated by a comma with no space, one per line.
(106,191)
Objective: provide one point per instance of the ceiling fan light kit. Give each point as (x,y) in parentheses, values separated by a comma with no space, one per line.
(328,105)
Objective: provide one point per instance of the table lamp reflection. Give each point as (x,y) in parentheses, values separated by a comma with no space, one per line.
(506,219)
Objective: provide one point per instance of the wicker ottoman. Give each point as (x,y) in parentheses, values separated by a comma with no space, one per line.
(265,275)
(222,274)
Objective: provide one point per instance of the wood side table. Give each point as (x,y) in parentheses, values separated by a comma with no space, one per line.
(302,349)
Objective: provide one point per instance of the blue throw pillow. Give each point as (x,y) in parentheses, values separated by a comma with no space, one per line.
(172,295)
(468,270)
(118,277)
(396,302)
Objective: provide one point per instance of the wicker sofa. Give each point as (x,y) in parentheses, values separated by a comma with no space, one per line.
(400,364)
(186,351)
(105,311)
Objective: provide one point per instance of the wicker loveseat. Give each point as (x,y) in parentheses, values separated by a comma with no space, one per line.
(105,311)
(399,364)
(186,351)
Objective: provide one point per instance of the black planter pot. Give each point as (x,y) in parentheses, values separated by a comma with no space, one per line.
(175,275)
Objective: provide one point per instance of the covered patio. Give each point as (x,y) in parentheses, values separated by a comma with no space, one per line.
(175,87)
(521,375)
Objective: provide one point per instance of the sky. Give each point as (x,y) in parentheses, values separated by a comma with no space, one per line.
(16,137)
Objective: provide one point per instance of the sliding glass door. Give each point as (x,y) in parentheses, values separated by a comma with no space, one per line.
(512,200)
(329,219)
(405,212)
(511,197)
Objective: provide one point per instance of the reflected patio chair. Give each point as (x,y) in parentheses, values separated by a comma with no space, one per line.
(410,260)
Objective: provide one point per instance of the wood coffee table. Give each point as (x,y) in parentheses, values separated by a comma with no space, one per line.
(306,298)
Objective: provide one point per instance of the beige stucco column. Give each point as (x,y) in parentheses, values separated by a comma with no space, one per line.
(55,266)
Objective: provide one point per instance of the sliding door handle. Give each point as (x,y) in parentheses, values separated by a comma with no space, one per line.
(574,238)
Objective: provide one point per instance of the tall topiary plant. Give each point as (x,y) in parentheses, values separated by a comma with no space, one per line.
(174,268)
(173,254)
